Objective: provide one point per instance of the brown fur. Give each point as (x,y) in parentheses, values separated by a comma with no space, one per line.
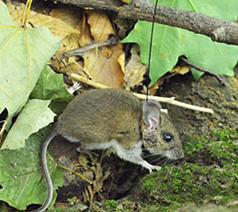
(102,115)
(99,116)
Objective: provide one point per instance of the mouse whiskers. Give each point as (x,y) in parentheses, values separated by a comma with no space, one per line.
(163,160)
(151,155)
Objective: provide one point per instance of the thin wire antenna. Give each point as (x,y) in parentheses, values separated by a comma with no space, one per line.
(150,47)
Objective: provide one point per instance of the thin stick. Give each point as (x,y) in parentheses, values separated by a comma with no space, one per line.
(219,78)
(81,51)
(172,101)
(169,100)
(75,173)
(86,81)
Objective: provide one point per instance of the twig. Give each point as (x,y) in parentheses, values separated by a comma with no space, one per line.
(169,100)
(81,51)
(220,79)
(172,101)
(86,81)
(75,173)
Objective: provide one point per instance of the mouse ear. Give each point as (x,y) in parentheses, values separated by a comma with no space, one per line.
(151,114)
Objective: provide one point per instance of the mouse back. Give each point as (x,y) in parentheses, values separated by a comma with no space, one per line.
(101,116)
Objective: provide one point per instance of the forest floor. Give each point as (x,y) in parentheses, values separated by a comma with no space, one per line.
(206,180)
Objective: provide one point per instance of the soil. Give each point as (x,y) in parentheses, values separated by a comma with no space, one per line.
(206,92)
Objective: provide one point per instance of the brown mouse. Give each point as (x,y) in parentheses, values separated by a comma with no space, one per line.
(116,119)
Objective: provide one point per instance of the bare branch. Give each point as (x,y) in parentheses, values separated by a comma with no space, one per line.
(218,30)
(219,78)
(169,100)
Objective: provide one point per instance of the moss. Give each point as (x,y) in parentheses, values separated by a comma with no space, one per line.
(209,175)
(206,181)
(149,184)
(110,204)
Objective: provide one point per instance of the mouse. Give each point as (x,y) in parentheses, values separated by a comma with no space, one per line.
(114,119)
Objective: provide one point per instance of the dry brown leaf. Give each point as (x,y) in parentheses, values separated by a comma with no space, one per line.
(55,25)
(100,26)
(181,70)
(102,66)
(134,70)
(64,24)
(77,21)
(69,15)
(70,42)
(121,61)
(99,177)
(86,37)
(153,89)
(16,12)
(75,67)
(67,65)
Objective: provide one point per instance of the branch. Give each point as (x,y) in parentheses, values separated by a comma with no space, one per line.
(172,101)
(81,51)
(218,30)
(169,100)
(219,78)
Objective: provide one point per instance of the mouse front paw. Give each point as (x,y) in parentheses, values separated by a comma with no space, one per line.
(150,167)
(157,168)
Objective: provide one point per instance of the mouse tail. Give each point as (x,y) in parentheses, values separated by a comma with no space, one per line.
(46,173)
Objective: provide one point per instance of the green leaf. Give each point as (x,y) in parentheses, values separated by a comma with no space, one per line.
(5,18)
(50,86)
(34,116)
(23,55)
(214,8)
(21,182)
(169,42)
(196,74)
(216,57)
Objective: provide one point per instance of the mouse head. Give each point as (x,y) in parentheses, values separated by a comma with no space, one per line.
(159,135)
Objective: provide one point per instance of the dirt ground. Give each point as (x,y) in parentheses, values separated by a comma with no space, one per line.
(206,92)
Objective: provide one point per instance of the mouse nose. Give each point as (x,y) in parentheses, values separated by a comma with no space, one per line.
(175,153)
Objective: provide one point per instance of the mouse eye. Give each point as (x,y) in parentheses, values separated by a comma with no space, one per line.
(167,137)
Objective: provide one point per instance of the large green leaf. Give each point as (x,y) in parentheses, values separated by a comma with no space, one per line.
(169,42)
(34,116)
(215,8)
(51,86)
(5,18)
(23,54)
(21,181)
